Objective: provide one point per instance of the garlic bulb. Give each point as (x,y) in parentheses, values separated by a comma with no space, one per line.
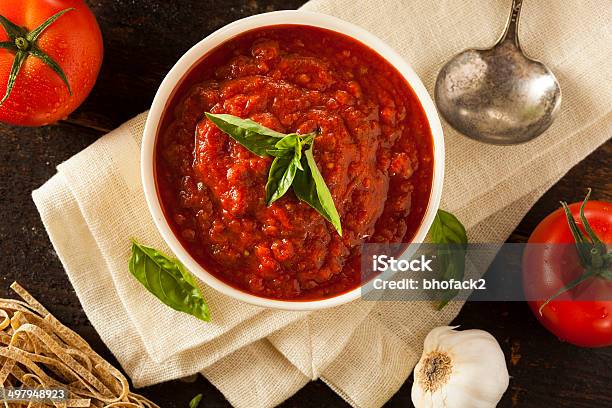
(459,369)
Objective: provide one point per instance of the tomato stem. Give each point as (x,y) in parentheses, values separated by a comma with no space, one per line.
(574,283)
(596,259)
(592,252)
(23,44)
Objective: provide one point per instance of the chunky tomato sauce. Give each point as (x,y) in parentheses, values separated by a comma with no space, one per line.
(374,151)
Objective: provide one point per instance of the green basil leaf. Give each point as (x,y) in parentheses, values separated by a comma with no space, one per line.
(309,186)
(282,173)
(279,152)
(250,134)
(168,280)
(446,228)
(288,142)
(308,138)
(451,259)
(287,146)
(195,401)
(451,239)
(297,154)
(291,144)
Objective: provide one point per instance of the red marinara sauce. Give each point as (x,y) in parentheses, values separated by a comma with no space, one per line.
(375,152)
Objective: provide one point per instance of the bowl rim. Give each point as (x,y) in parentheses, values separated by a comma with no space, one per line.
(193,56)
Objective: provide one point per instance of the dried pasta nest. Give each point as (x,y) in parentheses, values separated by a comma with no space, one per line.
(37,351)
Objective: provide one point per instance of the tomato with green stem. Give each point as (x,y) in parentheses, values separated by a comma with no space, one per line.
(50,55)
(568,281)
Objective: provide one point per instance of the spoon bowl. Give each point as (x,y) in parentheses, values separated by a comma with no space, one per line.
(498,95)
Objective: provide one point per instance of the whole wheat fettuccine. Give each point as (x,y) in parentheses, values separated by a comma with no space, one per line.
(38,351)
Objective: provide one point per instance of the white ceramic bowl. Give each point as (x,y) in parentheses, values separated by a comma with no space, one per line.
(182,67)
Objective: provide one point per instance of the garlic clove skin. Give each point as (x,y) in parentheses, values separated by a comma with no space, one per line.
(459,369)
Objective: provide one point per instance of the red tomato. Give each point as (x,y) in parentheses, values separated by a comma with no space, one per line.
(73,41)
(546,269)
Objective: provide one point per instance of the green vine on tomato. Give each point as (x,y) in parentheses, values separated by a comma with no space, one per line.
(25,44)
(51,52)
(592,252)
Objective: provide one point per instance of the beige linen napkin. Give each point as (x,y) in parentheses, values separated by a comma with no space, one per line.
(363,350)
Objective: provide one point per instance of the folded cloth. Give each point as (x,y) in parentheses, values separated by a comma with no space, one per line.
(363,350)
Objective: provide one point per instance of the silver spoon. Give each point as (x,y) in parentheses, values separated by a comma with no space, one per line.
(498,95)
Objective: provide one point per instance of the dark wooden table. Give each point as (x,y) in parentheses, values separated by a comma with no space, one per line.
(143,39)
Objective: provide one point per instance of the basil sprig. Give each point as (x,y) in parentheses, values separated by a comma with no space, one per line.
(258,139)
(310,187)
(292,166)
(168,280)
(450,238)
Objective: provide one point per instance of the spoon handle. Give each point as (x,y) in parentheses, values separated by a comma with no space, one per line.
(511,31)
